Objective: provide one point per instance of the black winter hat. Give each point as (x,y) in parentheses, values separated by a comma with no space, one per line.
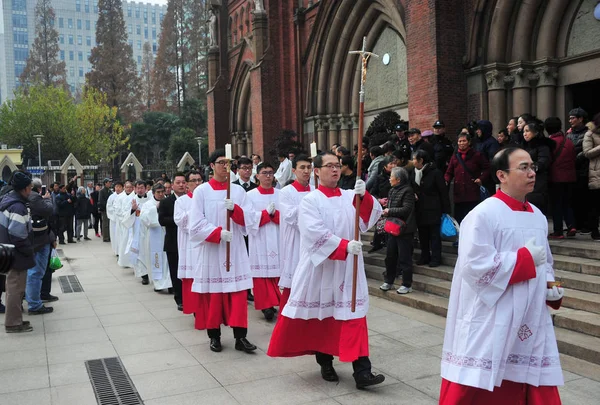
(20,181)
(578,112)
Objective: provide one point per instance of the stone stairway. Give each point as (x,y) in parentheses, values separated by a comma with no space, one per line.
(577,267)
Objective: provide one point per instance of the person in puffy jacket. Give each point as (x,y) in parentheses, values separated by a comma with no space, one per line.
(591,149)
(486,143)
(562,179)
(83,210)
(540,149)
(468,176)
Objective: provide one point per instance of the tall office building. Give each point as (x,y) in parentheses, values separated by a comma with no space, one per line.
(76,25)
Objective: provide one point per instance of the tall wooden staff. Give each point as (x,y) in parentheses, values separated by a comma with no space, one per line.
(313,153)
(361,123)
(228,224)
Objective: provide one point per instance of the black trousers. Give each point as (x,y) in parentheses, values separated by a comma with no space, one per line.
(46,282)
(462,209)
(582,205)
(560,194)
(429,237)
(398,259)
(238,333)
(97,220)
(360,365)
(66,224)
(173,259)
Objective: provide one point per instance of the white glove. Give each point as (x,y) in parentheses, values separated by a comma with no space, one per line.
(226,236)
(360,187)
(271,208)
(537,252)
(555,293)
(354,247)
(229,204)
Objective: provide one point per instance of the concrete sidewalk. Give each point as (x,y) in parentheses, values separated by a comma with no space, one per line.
(170,362)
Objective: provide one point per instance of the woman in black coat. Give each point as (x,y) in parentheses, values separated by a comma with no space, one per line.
(83,209)
(401,205)
(379,189)
(432,201)
(540,149)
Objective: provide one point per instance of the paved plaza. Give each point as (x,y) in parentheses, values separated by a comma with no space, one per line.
(170,362)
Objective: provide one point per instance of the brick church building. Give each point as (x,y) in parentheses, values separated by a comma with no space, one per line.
(284,64)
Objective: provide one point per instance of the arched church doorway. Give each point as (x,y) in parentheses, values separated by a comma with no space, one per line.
(585,95)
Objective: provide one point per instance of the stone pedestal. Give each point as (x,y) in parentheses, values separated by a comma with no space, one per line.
(496,98)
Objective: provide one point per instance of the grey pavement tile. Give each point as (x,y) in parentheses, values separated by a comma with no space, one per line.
(290,389)
(568,376)
(157,361)
(580,391)
(104,291)
(375,311)
(168,313)
(429,385)
(394,322)
(151,298)
(68,373)
(75,337)
(177,324)
(145,344)
(120,332)
(71,313)
(395,394)
(23,359)
(346,384)
(419,337)
(409,365)
(382,348)
(126,318)
(10,342)
(80,394)
(110,309)
(328,401)
(112,299)
(32,397)
(191,337)
(88,351)
(215,396)
(204,355)
(62,325)
(408,312)
(173,382)
(23,379)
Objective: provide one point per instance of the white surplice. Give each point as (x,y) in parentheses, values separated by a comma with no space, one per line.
(112,216)
(263,241)
(284,173)
(496,331)
(289,203)
(152,246)
(131,221)
(322,288)
(207,213)
(184,247)
(122,211)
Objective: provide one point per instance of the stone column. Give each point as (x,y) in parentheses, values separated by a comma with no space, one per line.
(260,33)
(321,133)
(345,136)
(249,150)
(334,131)
(241,144)
(496,98)
(521,91)
(213,66)
(233,142)
(353,125)
(546,91)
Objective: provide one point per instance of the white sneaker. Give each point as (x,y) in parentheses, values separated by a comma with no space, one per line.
(386,286)
(404,290)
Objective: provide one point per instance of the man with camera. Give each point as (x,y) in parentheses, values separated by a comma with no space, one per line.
(43,240)
(15,229)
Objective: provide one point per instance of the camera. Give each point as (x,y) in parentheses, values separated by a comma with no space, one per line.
(7,257)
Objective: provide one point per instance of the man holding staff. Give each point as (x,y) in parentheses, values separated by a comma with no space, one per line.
(221,283)
(318,318)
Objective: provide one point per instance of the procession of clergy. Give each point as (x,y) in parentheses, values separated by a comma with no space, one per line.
(294,245)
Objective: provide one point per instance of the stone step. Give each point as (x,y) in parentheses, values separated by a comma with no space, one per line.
(582,300)
(578,345)
(422,283)
(416,299)
(578,321)
(581,282)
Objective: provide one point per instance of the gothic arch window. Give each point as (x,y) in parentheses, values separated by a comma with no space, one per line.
(242,17)
(249,16)
(235,30)
(230,32)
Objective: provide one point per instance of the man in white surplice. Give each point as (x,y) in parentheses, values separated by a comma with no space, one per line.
(112,216)
(499,345)
(222,288)
(130,218)
(289,203)
(187,253)
(122,209)
(154,256)
(284,171)
(317,318)
(263,242)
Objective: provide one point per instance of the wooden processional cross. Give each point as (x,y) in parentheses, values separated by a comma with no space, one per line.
(364,55)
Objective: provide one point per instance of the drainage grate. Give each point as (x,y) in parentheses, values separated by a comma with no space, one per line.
(70,284)
(111,382)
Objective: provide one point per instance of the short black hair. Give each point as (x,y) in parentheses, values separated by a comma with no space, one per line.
(178,174)
(255,154)
(244,161)
(422,154)
(150,183)
(376,151)
(388,147)
(347,161)
(300,158)
(552,125)
(190,173)
(140,182)
(343,151)
(117,183)
(536,126)
(216,154)
(503,131)
(318,160)
(282,153)
(264,165)
(157,187)
(500,161)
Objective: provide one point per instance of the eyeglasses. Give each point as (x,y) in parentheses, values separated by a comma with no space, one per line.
(222,162)
(245,168)
(268,174)
(195,181)
(525,168)
(332,166)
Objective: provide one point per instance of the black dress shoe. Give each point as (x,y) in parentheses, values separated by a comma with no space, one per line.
(215,344)
(49,298)
(145,281)
(42,310)
(250,296)
(367,379)
(71,241)
(244,345)
(328,373)
(434,264)
(180,307)
(269,313)
(422,262)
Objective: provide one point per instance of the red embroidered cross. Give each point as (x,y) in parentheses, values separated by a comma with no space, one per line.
(524,333)
(342,286)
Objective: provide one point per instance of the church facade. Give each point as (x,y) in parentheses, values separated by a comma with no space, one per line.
(285,64)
